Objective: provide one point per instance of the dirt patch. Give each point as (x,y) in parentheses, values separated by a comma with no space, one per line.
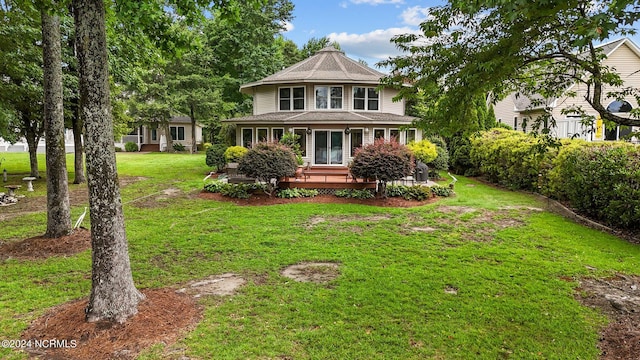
(618,298)
(162,317)
(316,220)
(221,285)
(317,272)
(456,209)
(264,199)
(41,247)
(159,199)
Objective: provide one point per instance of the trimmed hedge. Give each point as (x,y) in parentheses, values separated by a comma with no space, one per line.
(599,179)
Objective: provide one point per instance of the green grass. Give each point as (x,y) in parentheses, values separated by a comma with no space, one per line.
(390,300)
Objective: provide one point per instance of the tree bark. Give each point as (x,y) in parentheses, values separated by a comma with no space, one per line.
(58,209)
(114,296)
(31,134)
(194,148)
(78,159)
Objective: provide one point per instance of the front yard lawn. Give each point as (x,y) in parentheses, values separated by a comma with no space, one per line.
(487,274)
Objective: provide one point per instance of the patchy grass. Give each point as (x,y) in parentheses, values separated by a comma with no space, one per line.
(485,277)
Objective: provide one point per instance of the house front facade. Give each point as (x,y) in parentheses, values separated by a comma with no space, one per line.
(331,102)
(622,55)
(154,138)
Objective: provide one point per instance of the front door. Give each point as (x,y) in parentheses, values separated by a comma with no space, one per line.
(328,147)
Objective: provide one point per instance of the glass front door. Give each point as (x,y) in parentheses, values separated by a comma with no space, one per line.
(328,147)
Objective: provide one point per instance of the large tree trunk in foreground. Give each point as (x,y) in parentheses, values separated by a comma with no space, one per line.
(114,297)
(194,148)
(58,210)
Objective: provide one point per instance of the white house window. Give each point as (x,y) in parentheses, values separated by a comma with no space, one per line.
(378,134)
(365,98)
(177,132)
(302,140)
(263,134)
(329,97)
(291,98)
(154,134)
(618,132)
(394,134)
(356,138)
(247,137)
(410,136)
(276,133)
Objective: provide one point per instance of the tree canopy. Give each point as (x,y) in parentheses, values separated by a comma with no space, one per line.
(470,49)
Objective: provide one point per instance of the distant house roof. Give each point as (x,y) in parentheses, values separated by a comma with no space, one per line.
(325,117)
(328,65)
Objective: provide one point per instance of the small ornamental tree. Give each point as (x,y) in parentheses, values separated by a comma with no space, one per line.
(383,161)
(268,162)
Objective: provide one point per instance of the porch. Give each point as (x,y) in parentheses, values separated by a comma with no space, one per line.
(326,177)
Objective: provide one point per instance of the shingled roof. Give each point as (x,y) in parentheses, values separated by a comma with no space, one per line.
(328,65)
(324,117)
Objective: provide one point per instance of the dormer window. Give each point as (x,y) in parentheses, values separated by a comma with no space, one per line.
(365,98)
(291,98)
(329,97)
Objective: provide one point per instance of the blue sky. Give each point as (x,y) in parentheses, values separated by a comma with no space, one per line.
(363,28)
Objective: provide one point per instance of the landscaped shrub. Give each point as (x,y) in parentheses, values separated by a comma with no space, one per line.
(178,147)
(240,191)
(459,158)
(383,161)
(441,162)
(511,158)
(601,180)
(215,156)
(442,191)
(355,194)
(416,192)
(268,162)
(131,147)
(424,151)
(234,153)
(296,193)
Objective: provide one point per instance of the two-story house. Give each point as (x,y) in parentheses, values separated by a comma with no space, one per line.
(332,102)
(622,55)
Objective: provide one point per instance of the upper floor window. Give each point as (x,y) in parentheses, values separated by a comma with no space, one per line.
(619,107)
(365,98)
(291,98)
(329,97)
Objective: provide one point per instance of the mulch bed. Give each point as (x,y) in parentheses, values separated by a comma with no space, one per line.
(264,199)
(40,247)
(162,317)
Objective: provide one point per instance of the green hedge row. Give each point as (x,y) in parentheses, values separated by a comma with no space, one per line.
(601,180)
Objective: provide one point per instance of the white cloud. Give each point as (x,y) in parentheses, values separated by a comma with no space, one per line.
(377,2)
(288,26)
(375,45)
(415,15)
(344,5)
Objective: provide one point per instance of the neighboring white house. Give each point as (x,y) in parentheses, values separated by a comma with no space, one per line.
(331,102)
(22,146)
(622,55)
(153,139)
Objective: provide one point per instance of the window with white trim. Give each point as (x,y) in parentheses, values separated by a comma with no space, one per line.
(247,137)
(394,134)
(263,134)
(365,98)
(291,98)
(302,140)
(378,134)
(276,134)
(356,138)
(410,136)
(177,132)
(328,97)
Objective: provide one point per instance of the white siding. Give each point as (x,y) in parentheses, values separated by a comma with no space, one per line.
(387,104)
(265,100)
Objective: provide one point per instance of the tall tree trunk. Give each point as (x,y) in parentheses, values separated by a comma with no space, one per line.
(194,148)
(58,210)
(114,296)
(167,132)
(32,137)
(78,152)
